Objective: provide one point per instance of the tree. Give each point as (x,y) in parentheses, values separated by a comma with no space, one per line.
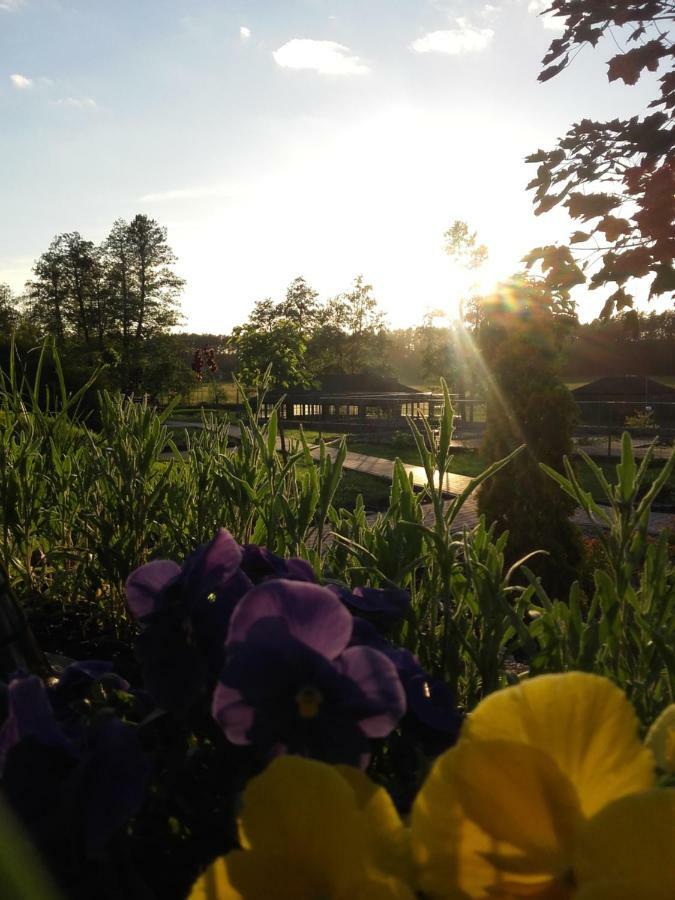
(462,245)
(279,348)
(65,294)
(9,315)
(617,178)
(300,306)
(142,289)
(521,336)
(435,349)
(107,300)
(356,316)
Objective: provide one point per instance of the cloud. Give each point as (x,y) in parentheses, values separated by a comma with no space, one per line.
(76,102)
(324,57)
(195,193)
(463,39)
(553,23)
(489,11)
(20,82)
(244,32)
(10,5)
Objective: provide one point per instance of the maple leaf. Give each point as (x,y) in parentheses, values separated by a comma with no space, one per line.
(628,66)
(590,206)
(618,300)
(613,227)
(663,282)
(552,71)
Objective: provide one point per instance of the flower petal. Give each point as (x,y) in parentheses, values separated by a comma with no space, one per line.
(661,739)
(213,563)
(378,680)
(516,794)
(389,839)
(451,851)
(584,722)
(145,585)
(299,809)
(312,614)
(214,883)
(385,606)
(232,713)
(30,716)
(299,570)
(629,846)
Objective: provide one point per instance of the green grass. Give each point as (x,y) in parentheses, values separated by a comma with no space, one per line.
(312,435)
(208,393)
(375,491)
(465,462)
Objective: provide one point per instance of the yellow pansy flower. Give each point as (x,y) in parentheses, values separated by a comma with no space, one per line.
(310,831)
(661,740)
(501,814)
(627,851)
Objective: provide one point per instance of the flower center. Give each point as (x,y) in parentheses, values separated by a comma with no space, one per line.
(309,700)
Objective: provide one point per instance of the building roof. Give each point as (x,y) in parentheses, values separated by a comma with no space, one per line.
(630,388)
(363,382)
(340,384)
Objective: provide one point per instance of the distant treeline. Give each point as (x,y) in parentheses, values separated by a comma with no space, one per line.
(117,304)
(632,343)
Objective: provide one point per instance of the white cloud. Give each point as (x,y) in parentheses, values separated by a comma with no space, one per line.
(76,102)
(463,39)
(10,5)
(244,32)
(553,23)
(195,193)
(489,11)
(20,82)
(324,57)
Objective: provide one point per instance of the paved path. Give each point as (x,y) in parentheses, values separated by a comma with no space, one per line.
(452,486)
(455,484)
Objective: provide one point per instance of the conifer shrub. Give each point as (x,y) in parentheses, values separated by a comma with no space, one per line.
(521,335)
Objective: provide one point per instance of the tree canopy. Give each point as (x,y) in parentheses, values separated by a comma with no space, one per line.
(616,178)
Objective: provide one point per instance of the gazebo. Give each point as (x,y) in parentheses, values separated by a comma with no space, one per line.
(610,400)
(359,398)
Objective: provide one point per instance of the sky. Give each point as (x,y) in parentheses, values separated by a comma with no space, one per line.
(277,138)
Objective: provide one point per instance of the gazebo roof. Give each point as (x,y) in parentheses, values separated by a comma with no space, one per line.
(630,388)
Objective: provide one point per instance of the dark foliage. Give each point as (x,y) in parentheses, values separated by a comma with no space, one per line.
(619,175)
(520,341)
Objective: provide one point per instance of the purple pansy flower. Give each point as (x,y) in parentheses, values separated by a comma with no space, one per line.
(57,762)
(184,613)
(431,709)
(381,606)
(30,716)
(260,564)
(291,684)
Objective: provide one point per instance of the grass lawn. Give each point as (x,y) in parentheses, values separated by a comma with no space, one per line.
(206,392)
(375,491)
(465,462)
(311,435)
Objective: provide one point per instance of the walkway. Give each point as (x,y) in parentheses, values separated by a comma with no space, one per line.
(453,485)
